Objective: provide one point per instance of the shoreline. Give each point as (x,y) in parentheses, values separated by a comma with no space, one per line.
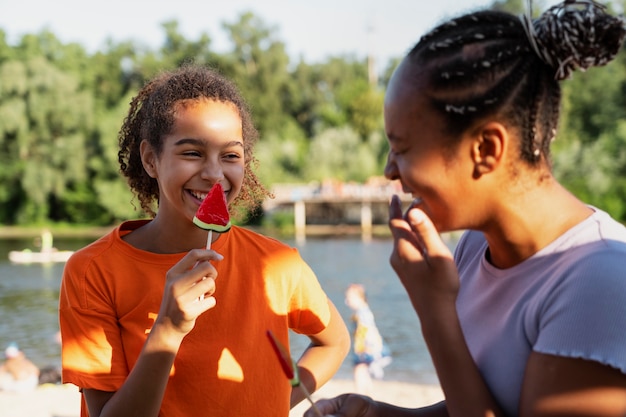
(50,400)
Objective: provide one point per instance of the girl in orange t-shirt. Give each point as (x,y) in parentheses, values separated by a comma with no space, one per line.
(147,326)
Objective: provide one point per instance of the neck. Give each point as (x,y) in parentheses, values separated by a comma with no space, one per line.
(526,224)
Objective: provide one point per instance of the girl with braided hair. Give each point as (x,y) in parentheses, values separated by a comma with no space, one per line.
(153,324)
(528,317)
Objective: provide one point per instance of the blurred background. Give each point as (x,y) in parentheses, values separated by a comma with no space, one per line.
(314,74)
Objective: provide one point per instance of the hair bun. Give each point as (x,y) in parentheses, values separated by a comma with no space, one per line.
(577,34)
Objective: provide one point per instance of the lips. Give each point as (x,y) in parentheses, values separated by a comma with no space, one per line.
(201,195)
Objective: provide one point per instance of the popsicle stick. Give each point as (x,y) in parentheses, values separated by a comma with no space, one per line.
(290,369)
(308,397)
(209,239)
(208,246)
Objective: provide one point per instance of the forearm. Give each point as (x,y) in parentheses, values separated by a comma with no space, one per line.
(142,393)
(316,366)
(464,387)
(324,356)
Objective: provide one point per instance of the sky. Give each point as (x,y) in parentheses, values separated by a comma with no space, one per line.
(311,29)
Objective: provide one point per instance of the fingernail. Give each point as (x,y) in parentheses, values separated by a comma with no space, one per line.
(417,217)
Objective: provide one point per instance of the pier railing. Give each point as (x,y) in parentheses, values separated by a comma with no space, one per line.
(335,208)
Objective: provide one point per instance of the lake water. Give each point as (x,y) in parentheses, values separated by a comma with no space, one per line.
(29,299)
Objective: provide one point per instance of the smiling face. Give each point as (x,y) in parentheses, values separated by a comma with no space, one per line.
(204,147)
(421,156)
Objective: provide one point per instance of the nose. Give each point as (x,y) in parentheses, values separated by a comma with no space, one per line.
(212,171)
(391,169)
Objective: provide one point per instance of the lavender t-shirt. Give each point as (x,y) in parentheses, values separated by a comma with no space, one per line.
(569,299)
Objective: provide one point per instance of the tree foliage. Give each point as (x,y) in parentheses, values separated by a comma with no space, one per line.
(61,109)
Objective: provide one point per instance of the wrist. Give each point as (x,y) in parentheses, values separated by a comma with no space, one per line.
(162,338)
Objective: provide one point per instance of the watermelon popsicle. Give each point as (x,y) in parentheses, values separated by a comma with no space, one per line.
(212,215)
(290,368)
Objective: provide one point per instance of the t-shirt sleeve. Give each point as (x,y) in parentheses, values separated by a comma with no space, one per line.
(585,315)
(92,351)
(309,312)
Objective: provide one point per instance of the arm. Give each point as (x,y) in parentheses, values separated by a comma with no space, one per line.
(425,267)
(324,356)
(142,392)
(559,386)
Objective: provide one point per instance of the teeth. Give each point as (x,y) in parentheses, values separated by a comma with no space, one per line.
(199,196)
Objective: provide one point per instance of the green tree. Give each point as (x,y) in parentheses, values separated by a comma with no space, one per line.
(258,63)
(44,118)
(588,153)
(340,153)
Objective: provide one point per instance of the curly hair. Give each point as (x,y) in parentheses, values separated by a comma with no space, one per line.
(493,63)
(151,118)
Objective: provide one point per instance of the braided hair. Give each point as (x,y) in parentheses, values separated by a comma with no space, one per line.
(151,117)
(490,63)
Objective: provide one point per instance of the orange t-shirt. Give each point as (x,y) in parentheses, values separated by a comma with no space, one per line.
(110,296)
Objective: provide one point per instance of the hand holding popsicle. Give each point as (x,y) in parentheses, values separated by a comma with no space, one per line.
(290,368)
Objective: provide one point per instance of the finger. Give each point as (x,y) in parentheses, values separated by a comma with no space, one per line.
(203,269)
(426,232)
(415,203)
(194,257)
(395,207)
(201,296)
(405,239)
(185,284)
(202,289)
(191,278)
(205,303)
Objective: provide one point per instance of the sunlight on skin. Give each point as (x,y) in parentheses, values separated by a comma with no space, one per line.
(583,403)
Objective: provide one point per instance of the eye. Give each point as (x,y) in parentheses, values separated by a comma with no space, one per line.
(395,152)
(232,156)
(191,153)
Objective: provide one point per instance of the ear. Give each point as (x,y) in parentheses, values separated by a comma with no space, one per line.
(148,158)
(489,146)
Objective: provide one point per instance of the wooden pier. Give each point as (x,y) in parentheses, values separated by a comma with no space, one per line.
(334,209)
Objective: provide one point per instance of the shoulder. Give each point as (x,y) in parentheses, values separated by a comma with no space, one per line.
(610,231)
(269,252)
(105,244)
(596,247)
(586,266)
(84,255)
(472,245)
(256,241)
(92,262)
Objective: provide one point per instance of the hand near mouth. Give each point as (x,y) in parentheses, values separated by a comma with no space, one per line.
(421,259)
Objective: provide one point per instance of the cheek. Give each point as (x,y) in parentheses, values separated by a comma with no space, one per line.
(238,172)
(235,175)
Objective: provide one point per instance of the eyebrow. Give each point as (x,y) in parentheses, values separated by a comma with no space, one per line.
(199,142)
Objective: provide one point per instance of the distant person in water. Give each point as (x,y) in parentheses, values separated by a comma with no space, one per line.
(17,373)
(370,352)
(46,241)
